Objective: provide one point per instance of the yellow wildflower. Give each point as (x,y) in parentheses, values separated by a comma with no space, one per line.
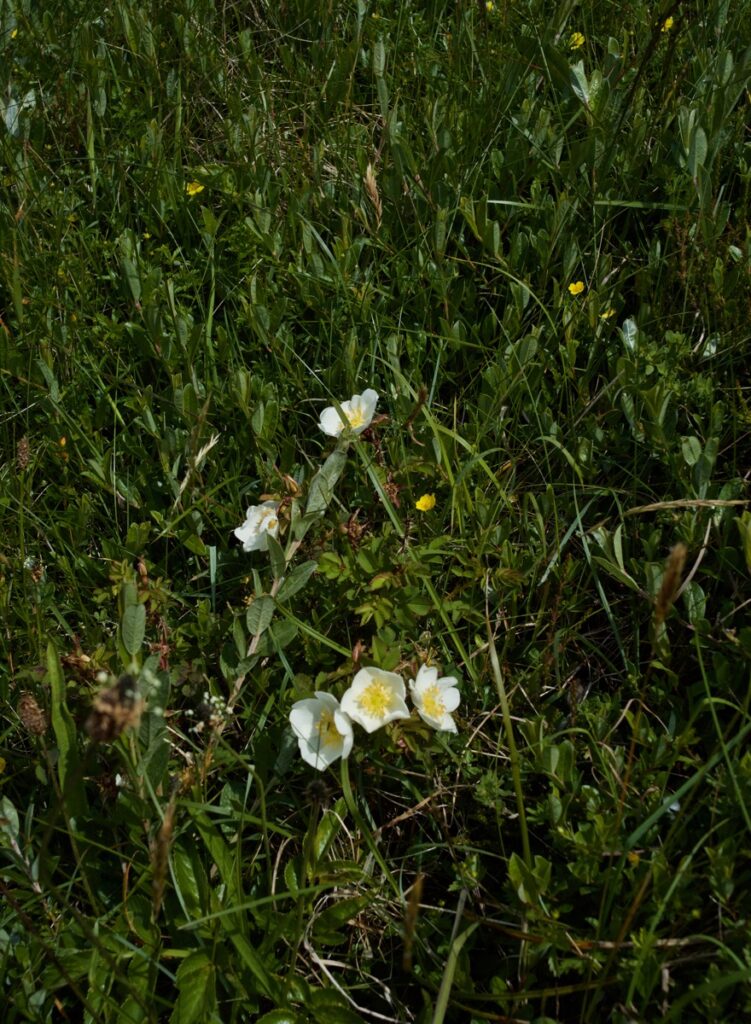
(576,41)
(489,6)
(14,33)
(576,287)
(607,313)
(667,24)
(425,503)
(194,187)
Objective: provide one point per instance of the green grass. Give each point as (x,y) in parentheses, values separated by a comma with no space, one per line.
(399,196)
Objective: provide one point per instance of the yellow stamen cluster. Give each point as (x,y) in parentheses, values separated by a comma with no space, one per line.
(326,728)
(432,702)
(375,699)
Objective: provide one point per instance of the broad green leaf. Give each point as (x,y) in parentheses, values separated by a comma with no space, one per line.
(579,82)
(8,821)
(530,882)
(196,999)
(259,614)
(296,580)
(691,449)
(329,828)
(276,553)
(133,628)
(323,483)
(281,1017)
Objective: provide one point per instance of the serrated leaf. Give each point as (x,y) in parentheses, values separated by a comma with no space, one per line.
(259,615)
(133,628)
(195,987)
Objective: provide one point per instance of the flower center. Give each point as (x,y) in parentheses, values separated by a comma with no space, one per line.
(375,699)
(268,519)
(432,702)
(326,728)
(356,416)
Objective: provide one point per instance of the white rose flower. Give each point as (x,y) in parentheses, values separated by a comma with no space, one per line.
(375,698)
(323,732)
(261,521)
(435,698)
(358,412)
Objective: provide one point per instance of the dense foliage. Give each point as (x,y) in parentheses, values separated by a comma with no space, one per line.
(526,227)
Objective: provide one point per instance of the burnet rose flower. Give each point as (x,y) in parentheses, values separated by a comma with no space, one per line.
(323,731)
(375,698)
(358,412)
(435,698)
(261,521)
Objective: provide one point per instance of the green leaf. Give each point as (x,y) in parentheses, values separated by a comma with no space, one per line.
(323,483)
(281,1017)
(329,828)
(579,82)
(691,449)
(259,614)
(133,628)
(296,580)
(276,553)
(341,912)
(64,729)
(190,881)
(530,882)
(744,528)
(8,820)
(196,998)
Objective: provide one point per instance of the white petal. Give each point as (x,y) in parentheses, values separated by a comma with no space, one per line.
(328,700)
(331,422)
(451,699)
(426,676)
(319,757)
(370,401)
(304,717)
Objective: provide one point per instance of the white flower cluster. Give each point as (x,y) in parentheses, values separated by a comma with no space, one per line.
(323,725)
(262,521)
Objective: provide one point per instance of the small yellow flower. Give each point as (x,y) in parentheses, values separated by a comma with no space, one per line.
(489,6)
(576,287)
(633,857)
(576,41)
(667,24)
(146,235)
(14,33)
(63,441)
(194,187)
(425,503)
(607,313)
